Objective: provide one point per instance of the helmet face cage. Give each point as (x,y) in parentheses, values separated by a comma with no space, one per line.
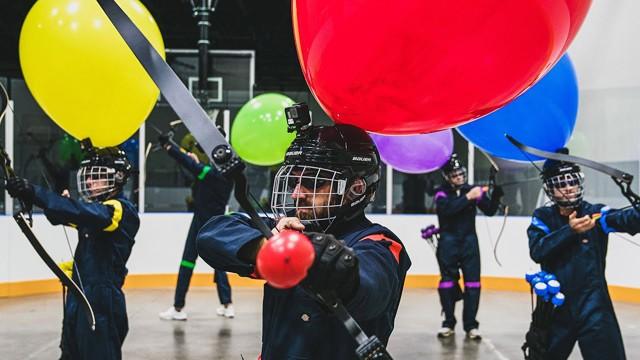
(96,183)
(461,171)
(294,182)
(561,182)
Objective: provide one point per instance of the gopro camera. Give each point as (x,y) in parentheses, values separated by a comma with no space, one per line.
(298,117)
(87,147)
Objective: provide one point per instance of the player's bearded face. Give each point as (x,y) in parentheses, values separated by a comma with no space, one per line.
(311,204)
(307,192)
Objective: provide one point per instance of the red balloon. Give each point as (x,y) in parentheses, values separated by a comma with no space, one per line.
(417,66)
(285,259)
(577,11)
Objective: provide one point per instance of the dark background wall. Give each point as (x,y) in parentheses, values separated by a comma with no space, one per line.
(261,25)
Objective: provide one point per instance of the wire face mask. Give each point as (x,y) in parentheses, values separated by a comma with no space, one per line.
(96,183)
(312,194)
(570,187)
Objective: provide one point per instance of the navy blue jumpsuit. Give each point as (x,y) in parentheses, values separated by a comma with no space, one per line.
(578,261)
(211,192)
(294,326)
(458,249)
(106,232)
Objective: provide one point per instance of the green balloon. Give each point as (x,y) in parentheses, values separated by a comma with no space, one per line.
(69,150)
(259,132)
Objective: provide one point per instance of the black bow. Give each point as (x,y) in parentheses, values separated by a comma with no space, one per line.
(490,192)
(621,178)
(24,220)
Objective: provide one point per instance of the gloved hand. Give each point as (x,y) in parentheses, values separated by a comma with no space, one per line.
(164,139)
(335,267)
(20,188)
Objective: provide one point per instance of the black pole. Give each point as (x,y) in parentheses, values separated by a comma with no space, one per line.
(201,13)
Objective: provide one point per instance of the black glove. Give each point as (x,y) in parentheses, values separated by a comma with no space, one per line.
(164,139)
(20,188)
(335,267)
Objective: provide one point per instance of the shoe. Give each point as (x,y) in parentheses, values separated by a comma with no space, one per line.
(445,332)
(474,334)
(220,310)
(173,314)
(229,312)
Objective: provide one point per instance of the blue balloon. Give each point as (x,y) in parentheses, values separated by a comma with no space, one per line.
(530,275)
(558,299)
(131,147)
(553,287)
(543,117)
(541,289)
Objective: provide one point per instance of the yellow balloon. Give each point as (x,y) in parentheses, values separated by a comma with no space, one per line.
(81,72)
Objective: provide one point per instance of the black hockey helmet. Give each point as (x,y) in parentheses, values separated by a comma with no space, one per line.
(336,155)
(560,175)
(103,172)
(453,168)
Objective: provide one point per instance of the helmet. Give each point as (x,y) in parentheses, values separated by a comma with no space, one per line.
(103,173)
(559,175)
(454,168)
(338,162)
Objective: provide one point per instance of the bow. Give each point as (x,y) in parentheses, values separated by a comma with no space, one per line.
(4,96)
(621,178)
(221,153)
(24,220)
(490,191)
(169,134)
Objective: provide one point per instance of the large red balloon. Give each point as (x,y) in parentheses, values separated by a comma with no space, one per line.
(416,66)
(285,259)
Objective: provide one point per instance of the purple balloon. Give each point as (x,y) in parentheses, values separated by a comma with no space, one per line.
(415,154)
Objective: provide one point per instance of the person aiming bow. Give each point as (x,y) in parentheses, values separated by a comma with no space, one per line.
(107,224)
(456,207)
(330,174)
(211,193)
(569,238)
